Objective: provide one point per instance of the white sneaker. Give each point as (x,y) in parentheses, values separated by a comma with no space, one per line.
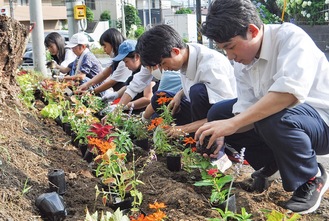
(222,164)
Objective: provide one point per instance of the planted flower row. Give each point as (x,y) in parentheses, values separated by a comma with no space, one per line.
(109,145)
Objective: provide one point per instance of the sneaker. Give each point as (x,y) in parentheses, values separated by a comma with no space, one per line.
(260,177)
(307,197)
(222,163)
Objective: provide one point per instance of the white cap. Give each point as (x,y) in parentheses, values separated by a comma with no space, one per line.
(76,39)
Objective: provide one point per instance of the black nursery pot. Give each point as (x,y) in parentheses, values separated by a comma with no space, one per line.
(83,148)
(37,94)
(143,143)
(58,121)
(125,204)
(174,162)
(57,182)
(74,141)
(51,206)
(89,156)
(231,204)
(67,128)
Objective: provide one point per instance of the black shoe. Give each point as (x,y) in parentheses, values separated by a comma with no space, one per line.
(260,177)
(307,197)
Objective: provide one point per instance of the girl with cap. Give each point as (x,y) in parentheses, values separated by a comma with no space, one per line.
(131,59)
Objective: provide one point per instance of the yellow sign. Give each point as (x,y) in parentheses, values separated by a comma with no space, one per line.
(80,12)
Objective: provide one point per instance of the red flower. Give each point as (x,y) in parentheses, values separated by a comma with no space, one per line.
(101,130)
(212,172)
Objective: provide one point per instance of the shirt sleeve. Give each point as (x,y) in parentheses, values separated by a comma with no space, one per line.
(121,73)
(139,82)
(69,57)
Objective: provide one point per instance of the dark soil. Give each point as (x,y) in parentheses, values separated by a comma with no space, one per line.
(31,146)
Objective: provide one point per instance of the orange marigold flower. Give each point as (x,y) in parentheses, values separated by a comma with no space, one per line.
(139,218)
(157,121)
(194,149)
(157,206)
(150,127)
(162,100)
(157,216)
(161,94)
(189,140)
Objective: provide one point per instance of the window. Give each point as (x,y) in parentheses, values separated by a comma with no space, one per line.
(91,4)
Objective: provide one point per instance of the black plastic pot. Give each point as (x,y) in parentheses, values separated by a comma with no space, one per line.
(231,204)
(89,156)
(143,143)
(125,204)
(203,148)
(37,94)
(56,179)
(51,206)
(83,148)
(58,121)
(74,141)
(174,162)
(67,128)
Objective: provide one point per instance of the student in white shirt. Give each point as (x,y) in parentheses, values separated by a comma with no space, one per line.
(281,115)
(55,43)
(206,76)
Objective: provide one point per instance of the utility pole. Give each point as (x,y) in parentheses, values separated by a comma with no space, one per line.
(150,17)
(11,8)
(123,29)
(73,24)
(198,20)
(211,42)
(38,47)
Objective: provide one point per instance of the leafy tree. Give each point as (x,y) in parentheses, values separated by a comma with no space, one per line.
(184,11)
(131,18)
(106,16)
(89,14)
(140,30)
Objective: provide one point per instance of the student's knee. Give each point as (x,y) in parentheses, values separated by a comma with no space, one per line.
(197,91)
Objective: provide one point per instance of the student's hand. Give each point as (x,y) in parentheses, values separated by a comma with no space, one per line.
(83,88)
(216,129)
(144,119)
(174,104)
(174,131)
(219,143)
(110,96)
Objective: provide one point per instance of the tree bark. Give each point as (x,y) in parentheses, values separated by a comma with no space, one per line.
(13,36)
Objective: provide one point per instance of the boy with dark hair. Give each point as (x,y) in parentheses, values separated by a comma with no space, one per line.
(281,115)
(206,77)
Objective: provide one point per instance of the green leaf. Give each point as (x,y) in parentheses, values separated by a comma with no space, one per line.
(204,183)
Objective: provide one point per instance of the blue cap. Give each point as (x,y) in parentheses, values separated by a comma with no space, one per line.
(124,49)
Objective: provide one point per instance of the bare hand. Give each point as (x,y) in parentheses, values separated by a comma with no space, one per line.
(174,104)
(174,131)
(220,143)
(215,129)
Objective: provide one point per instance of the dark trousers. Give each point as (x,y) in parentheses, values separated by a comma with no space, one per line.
(192,111)
(292,138)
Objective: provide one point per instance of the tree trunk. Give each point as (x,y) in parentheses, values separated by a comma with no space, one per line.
(13,37)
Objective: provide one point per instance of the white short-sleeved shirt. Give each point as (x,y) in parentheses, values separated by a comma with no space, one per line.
(121,73)
(212,68)
(69,57)
(139,82)
(289,62)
